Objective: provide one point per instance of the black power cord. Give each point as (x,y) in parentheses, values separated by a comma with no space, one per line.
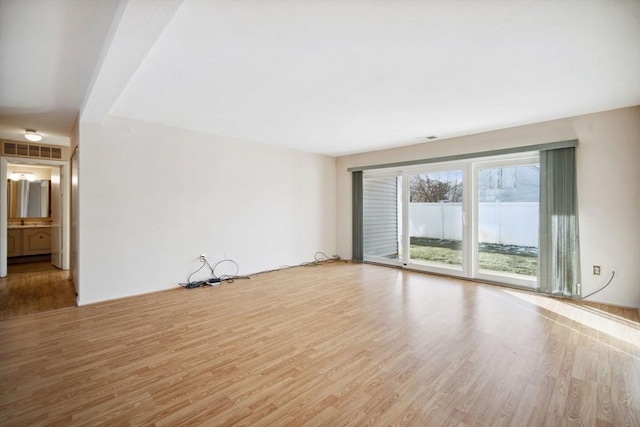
(229,278)
(197,284)
(613,273)
(318,259)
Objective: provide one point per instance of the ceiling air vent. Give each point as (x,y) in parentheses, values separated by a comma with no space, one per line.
(22,149)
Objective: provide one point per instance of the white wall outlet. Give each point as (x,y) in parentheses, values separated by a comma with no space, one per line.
(596,270)
(203,257)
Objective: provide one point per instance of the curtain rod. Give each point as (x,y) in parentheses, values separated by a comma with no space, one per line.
(521,149)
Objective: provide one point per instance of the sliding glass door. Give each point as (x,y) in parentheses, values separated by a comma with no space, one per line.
(435,214)
(506,220)
(474,218)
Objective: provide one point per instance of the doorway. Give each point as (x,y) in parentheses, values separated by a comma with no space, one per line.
(42,282)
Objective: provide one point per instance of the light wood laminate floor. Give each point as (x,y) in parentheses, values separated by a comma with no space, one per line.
(334,345)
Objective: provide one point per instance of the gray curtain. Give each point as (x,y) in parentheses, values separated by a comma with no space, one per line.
(357,238)
(559,252)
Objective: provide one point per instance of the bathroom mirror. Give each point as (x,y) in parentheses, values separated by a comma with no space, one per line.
(28,199)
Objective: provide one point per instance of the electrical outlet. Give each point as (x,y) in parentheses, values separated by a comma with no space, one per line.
(203,257)
(596,270)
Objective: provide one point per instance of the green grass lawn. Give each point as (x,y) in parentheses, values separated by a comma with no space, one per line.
(506,259)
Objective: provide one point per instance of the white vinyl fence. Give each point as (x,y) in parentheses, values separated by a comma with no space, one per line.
(506,223)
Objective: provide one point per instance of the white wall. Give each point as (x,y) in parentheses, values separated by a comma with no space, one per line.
(152,198)
(608,161)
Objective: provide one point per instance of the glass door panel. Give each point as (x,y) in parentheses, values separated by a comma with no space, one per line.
(435,219)
(507,221)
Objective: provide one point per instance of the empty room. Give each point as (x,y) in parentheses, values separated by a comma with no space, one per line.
(319,213)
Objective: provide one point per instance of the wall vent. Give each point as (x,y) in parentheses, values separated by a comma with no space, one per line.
(23,149)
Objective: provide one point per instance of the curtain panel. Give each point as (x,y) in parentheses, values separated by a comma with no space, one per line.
(559,253)
(357,238)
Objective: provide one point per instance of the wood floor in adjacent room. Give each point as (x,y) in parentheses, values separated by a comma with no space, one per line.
(333,345)
(34,288)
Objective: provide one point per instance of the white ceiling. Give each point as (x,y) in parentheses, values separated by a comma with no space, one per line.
(331,77)
(48,53)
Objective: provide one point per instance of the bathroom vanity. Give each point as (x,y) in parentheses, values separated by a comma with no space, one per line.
(28,239)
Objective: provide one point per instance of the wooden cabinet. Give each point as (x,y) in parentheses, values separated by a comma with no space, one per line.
(14,242)
(28,241)
(36,241)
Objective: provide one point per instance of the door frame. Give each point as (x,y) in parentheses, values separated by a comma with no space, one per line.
(65,214)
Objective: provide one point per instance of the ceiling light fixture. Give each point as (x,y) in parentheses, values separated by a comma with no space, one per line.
(22,176)
(32,135)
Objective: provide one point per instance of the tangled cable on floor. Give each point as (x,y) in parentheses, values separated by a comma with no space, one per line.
(319,258)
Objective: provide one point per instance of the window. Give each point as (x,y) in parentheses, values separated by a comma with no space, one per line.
(487,221)
(474,218)
(435,218)
(506,220)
